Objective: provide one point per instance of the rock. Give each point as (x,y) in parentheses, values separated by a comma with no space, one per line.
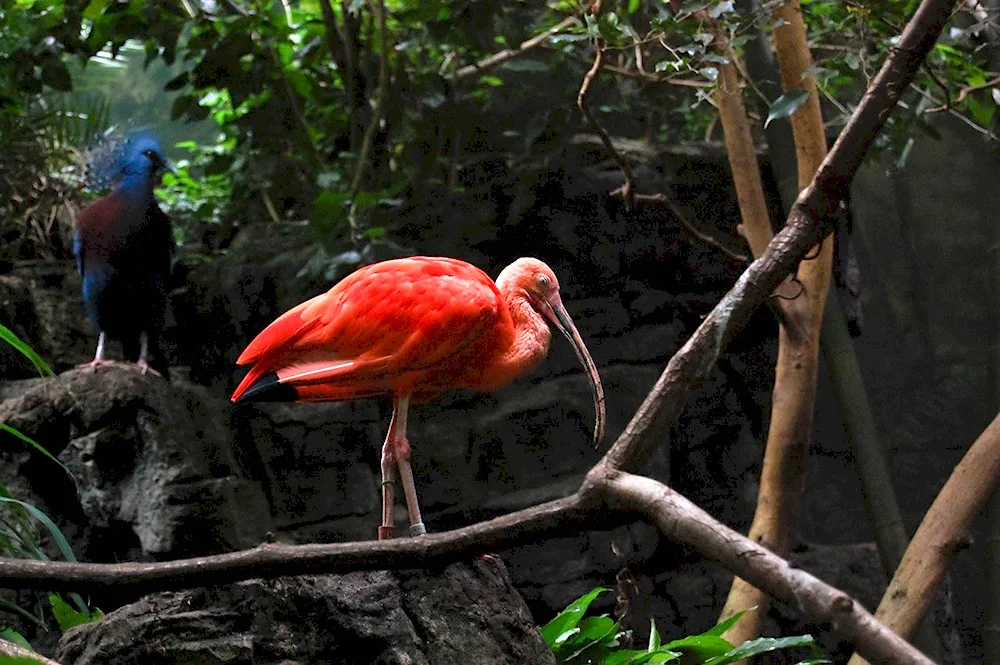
(465,614)
(152,457)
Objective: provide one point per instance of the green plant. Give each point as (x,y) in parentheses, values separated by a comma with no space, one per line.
(576,639)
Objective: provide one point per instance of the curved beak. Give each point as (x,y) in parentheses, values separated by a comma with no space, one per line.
(556,313)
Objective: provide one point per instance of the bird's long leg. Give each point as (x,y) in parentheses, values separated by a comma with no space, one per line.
(143,361)
(389,449)
(405,472)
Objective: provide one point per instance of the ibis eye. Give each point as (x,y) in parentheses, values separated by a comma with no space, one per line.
(543,281)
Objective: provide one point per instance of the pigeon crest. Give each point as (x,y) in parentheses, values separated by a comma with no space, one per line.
(107,161)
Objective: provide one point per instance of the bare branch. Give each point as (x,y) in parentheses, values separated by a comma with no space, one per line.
(628,189)
(685,522)
(509,54)
(15,651)
(381,96)
(944,531)
(962,94)
(563,516)
(807,224)
(663,200)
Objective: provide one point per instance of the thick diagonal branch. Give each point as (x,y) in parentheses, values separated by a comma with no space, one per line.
(687,523)
(806,226)
(944,531)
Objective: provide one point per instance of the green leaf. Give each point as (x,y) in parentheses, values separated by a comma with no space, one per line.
(57,535)
(11,635)
(24,349)
(787,104)
(67,617)
(654,637)
(570,617)
(633,6)
(593,632)
(17,660)
(721,628)
(701,646)
(762,645)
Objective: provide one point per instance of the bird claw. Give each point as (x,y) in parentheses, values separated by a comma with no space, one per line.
(144,369)
(95,363)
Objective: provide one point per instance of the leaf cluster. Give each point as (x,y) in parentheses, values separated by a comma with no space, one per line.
(577,639)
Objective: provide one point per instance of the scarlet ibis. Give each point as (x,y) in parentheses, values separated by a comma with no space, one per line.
(412,329)
(123,244)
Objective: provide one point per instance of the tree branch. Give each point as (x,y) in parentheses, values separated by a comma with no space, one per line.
(782,478)
(944,531)
(20,654)
(627,190)
(501,57)
(381,95)
(807,224)
(602,501)
(685,522)
(560,517)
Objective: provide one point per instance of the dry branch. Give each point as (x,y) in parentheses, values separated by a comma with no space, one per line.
(686,522)
(509,54)
(944,531)
(739,145)
(15,651)
(603,497)
(627,190)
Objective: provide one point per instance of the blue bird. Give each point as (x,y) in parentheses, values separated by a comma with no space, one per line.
(123,244)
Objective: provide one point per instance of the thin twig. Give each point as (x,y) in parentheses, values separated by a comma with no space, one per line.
(663,200)
(985,131)
(962,94)
(581,101)
(509,54)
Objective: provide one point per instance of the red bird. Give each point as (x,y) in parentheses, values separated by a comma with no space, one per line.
(412,329)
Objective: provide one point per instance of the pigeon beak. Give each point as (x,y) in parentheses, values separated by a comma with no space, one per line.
(556,313)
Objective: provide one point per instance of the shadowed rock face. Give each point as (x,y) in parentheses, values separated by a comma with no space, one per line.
(465,614)
(151,459)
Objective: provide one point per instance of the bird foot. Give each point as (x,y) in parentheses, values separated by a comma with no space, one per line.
(95,363)
(386,532)
(417,529)
(144,369)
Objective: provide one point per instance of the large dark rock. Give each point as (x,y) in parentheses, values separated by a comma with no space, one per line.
(465,614)
(151,459)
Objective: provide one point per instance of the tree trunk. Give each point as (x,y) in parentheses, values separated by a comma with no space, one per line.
(783,475)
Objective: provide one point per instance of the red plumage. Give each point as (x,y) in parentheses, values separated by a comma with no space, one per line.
(423,324)
(412,329)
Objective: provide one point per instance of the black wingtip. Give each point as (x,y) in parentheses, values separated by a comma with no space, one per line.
(268,389)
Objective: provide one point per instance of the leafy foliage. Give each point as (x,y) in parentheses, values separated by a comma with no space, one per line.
(577,639)
(314,110)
